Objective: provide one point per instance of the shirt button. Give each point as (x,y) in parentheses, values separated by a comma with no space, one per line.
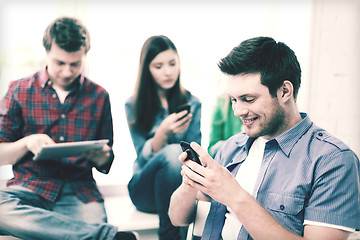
(282,207)
(54,95)
(63,116)
(61,138)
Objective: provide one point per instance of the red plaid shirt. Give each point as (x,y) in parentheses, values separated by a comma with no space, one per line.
(31,106)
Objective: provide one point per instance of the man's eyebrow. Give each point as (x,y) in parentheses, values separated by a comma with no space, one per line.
(243,95)
(60,61)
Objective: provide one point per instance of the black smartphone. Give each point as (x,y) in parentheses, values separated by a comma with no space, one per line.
(191,154)
(183,107)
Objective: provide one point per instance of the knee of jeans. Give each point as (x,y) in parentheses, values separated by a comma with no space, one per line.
(171,153)
(7,206)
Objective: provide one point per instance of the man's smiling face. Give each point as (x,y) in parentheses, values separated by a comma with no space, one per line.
(261,114)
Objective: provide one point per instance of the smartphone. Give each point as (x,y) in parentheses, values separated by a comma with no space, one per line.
(183,107)
(191,154)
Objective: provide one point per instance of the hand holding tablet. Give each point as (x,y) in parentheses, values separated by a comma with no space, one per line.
(69,149)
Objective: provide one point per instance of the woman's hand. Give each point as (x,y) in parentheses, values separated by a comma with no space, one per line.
(175,123)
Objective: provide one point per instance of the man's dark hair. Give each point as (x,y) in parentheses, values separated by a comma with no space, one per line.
(68,33)
(275,61)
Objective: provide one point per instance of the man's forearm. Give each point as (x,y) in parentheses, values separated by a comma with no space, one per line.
(10,153)
(182,206)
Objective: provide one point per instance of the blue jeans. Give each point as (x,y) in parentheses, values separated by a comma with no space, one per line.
(26,215)
(151,189)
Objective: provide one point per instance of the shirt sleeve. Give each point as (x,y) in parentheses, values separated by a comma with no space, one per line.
(141,144)
(106,132)
(10,116)
(346,229)
(147,149)
(335,196)
(193,133)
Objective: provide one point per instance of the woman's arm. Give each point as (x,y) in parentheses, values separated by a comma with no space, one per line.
(175,123)
(193,133)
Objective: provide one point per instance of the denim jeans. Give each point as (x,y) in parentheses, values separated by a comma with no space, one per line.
(151,189)
(26,215)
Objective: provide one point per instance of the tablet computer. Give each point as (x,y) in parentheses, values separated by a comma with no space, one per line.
(68,149)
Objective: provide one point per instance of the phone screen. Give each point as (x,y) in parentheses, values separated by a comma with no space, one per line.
(191,154)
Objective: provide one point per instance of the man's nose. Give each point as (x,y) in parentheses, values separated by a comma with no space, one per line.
(67,71)
(239,109)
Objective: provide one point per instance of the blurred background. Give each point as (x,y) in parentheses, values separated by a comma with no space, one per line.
(324,34)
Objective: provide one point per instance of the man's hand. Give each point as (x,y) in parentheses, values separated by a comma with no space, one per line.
(35,142)
(98,156)
(12,152)
(211,178)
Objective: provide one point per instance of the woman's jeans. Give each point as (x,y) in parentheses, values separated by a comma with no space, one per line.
(26,215)
(151,189)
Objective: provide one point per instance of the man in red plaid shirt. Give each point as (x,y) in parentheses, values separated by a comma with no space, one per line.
(56,198)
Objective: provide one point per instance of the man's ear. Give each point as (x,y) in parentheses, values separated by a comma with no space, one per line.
(286,90)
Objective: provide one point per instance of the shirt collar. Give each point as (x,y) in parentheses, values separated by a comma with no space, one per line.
(245,142)
(288,139)
(44,78)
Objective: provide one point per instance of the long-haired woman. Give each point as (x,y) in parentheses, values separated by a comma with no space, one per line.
(157,128)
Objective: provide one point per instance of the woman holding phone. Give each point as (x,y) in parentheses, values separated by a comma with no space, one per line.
(157,124)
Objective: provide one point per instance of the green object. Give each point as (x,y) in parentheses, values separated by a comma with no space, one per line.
(223,124)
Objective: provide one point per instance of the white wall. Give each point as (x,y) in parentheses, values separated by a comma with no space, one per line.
(203,32)
(334,73)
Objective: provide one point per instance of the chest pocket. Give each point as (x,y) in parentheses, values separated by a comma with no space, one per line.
(285,203)
(287,209)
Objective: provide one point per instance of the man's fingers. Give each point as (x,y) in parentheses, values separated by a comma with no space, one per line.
(193,178)
(198,149)
(204,156)
(195,172)
(182,157)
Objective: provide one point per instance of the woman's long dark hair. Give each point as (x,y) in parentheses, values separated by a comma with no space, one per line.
(147,101)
